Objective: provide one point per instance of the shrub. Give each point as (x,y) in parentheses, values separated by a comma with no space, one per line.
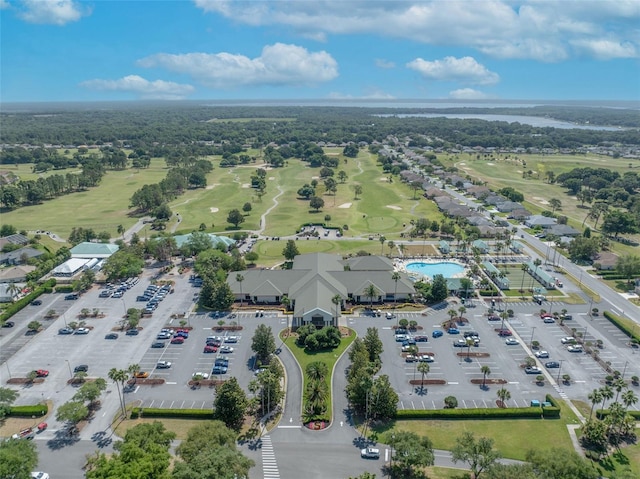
(479,413)
(37,410)
(137,412)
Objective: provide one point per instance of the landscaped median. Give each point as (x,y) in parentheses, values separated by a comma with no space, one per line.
(315,415)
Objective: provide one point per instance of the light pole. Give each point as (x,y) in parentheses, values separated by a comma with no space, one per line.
(9,370)
(624,371)
(532,331)
(393,440)
(559,369)
(69,366)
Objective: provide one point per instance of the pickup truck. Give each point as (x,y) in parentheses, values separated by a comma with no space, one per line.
(27,433)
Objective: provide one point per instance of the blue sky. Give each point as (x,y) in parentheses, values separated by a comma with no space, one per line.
(61,50)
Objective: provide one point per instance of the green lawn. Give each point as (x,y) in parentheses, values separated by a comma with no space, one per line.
(627,459)
(512,437)
(304,358)
(270,252)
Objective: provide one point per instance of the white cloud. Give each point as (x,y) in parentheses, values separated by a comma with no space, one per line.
(53,12)
(533,29)
(278,64)
(467,94)
(464,70)
(4,4)
(606,49)
(385,64)
(157,89)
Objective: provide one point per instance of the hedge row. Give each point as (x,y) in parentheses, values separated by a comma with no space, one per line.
(479,413)
(602,414)
(64,288)
(37,410)
(618,322)
(13,308)
(489,292)
(552,411)
(175,413)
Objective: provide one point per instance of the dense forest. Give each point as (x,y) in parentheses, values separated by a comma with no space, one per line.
(152,126)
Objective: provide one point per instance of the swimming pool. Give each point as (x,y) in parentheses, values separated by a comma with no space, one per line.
(447,269)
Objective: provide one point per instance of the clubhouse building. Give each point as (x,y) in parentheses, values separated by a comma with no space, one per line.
(319,285)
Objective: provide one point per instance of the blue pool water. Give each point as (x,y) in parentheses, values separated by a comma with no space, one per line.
(445,268)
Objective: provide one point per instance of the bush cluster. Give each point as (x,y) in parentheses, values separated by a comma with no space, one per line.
(479,413)
(37,410)
(313,339)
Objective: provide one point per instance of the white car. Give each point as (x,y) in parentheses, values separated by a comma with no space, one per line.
(81,331)
(425,358)
(163,365)
(168,331)
(202,375)
(370,453)
(574,348)
(511,341)
(231,339)
(541,354)
(226,349)
(39,475)
(568,340)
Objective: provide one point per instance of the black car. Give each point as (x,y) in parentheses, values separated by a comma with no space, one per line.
(552,364)
(8,324)
(111,336)
(132,332)
(158,344)
(143,298)
(36,302)
(71,296)
(81,368)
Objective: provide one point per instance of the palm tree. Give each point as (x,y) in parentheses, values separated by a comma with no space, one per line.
(119,376)
(607,393)
(595,397)
(395,277)
(337,300)
(286,302)
(316,371)
(240,279)
(134,369)
(461,310)
(618,385)
(485,370)
(469,344)
(504,315)
(629,399)
(537,262)
(13,289)
(423,368)
(524,269)
(371,291)
(503,395)
(382,240)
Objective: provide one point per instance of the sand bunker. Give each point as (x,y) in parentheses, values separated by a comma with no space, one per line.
(210,187)
(246,185)
(541,200)
(394,207)
(214,209)
(491,164)
(345,205)
(384,178)
(462,164)
(272,178)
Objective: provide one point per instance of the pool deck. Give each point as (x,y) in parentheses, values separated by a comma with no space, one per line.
(402,267)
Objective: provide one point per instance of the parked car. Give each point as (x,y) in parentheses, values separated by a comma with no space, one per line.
(219,370)
(65,330)
(231,339)
(493,317)
(401,338)
(71,296)
(426,358)
(132,332)
(226,349)
(111,336)
(504,332)
(158,344)
(437,333)
(532,370)
(81,331)
(511,342)
(568,340)
(370,453)
(182,334)
(142,374)
(81,368)
(105,293)
(541,354)
(163,364)
(39,475)
(163,336)
(8,324)
(36,302)
(453,331)
(41,373)
(552,364)
(167,330)
(574,348)
(421,339)
(548,319)
(410,341)
(200,375)
(471,334)
(210,349)
(221,362)
(177,340)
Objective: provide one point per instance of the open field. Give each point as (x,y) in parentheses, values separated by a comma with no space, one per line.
(102,208)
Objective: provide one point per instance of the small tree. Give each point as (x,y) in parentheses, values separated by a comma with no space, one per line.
(503,396)
(478,453)
(230,404)
(34,326)
(450,402)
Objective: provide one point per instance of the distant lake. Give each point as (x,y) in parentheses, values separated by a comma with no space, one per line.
(537,121)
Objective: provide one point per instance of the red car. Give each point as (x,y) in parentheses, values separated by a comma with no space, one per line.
(504,332)
(41,373)
(177,340)
(210,349)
